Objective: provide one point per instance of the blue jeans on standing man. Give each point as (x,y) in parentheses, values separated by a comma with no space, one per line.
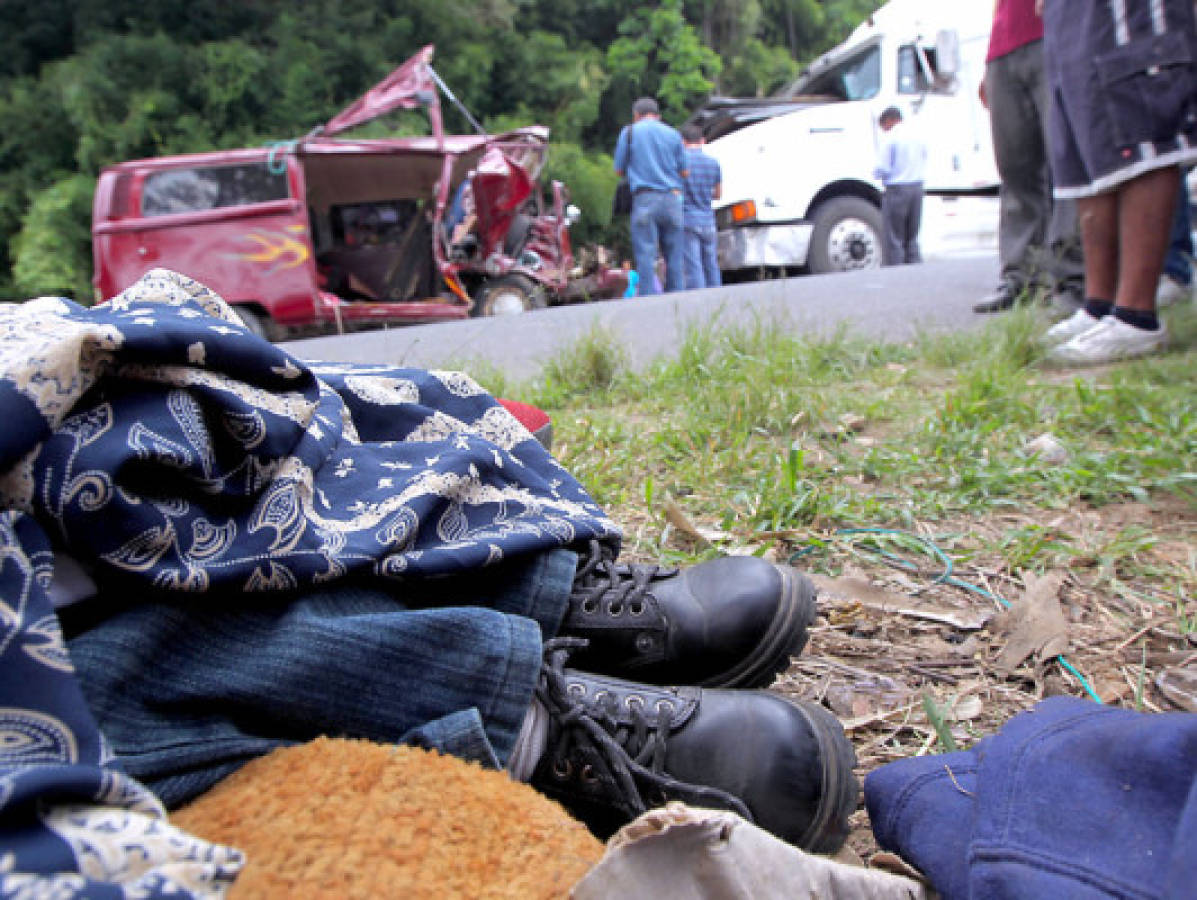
(657,222)
(702,258)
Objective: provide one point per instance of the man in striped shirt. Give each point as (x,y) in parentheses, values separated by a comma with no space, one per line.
(703,184)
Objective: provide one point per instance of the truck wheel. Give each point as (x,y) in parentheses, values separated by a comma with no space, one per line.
(847,236)
(509,295)
(255,323)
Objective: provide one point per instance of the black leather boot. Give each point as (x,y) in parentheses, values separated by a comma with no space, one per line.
(616,749)
(729,622)
(1006,296)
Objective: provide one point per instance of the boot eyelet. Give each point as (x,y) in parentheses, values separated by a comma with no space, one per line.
(663,706)
(600,696)
(576,689)
(590,607)
(588,775)
(636,609)
(634,701)
(615,609)
(644,642)
(562,768)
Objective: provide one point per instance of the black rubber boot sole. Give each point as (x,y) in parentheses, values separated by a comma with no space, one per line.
(786,636)
(841,790)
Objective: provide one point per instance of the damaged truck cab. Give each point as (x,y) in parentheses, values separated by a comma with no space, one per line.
(326,234)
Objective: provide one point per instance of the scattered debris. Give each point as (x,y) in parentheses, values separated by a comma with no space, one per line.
(1179,685)
(1047,448)
(967,618)
(704,537)
(887,635)
(1036,624)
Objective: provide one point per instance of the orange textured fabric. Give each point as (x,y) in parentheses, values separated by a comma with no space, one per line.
(347,818)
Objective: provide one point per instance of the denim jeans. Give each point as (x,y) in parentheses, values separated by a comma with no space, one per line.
(1070,799)
(188,690)
(1178,262)
(657,221)
(702,258)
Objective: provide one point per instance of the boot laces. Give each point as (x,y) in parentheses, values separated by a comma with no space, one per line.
(602,583)
(630,757)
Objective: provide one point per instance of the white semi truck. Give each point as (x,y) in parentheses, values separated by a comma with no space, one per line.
(798,187)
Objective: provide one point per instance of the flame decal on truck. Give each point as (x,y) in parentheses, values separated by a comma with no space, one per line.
(285,251)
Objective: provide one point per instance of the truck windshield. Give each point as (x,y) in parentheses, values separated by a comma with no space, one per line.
(856,78)
(190,190)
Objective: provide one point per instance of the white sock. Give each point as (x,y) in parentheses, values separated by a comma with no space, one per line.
(530,743)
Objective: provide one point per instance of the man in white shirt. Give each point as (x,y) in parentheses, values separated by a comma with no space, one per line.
(900,166)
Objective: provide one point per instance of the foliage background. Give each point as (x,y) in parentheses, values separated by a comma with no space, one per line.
(87,83)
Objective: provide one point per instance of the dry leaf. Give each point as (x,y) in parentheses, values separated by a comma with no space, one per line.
(678,519)
(863,698)
(1179,685)
(967,708)
(875,598)
(852,422)
(1037,624)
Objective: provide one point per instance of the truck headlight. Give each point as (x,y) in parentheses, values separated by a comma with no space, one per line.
(743,212)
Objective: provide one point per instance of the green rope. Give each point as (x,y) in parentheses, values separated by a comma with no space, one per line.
(945,577)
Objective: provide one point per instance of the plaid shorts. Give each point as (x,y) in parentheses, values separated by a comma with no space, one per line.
(1123,84)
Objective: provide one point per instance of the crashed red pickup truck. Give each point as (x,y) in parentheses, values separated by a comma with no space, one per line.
(327,234)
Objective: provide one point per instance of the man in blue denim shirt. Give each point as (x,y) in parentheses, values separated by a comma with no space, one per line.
(651,155)
(703,184)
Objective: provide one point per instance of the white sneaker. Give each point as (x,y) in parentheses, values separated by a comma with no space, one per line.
(1109,341)
(1074,326)
(1171,291)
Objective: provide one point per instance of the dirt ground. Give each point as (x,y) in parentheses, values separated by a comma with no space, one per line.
(893,647)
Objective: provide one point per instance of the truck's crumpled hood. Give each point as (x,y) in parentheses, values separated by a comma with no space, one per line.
(723,115)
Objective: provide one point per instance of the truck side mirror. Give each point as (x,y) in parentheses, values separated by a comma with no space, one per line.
(947,53)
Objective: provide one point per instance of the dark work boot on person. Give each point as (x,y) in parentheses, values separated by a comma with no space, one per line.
(615,749)
(729,622)
(1004,297)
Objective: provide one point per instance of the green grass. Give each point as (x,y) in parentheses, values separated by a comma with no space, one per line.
(758,432)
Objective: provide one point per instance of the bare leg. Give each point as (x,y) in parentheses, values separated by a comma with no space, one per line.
(1099,240)
(1145,209)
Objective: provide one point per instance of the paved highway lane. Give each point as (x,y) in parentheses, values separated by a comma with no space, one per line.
(893,304)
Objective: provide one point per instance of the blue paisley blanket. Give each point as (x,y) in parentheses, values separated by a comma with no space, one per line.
(159,441)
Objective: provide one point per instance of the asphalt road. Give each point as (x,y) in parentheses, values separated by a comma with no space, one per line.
(893,304)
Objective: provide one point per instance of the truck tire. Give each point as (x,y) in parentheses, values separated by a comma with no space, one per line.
(847,236)
(255,323)
(509,295)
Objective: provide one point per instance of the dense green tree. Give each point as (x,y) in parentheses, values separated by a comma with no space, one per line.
(34,33)
(659,54)
(591,182)
(52,248)
(539,79)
